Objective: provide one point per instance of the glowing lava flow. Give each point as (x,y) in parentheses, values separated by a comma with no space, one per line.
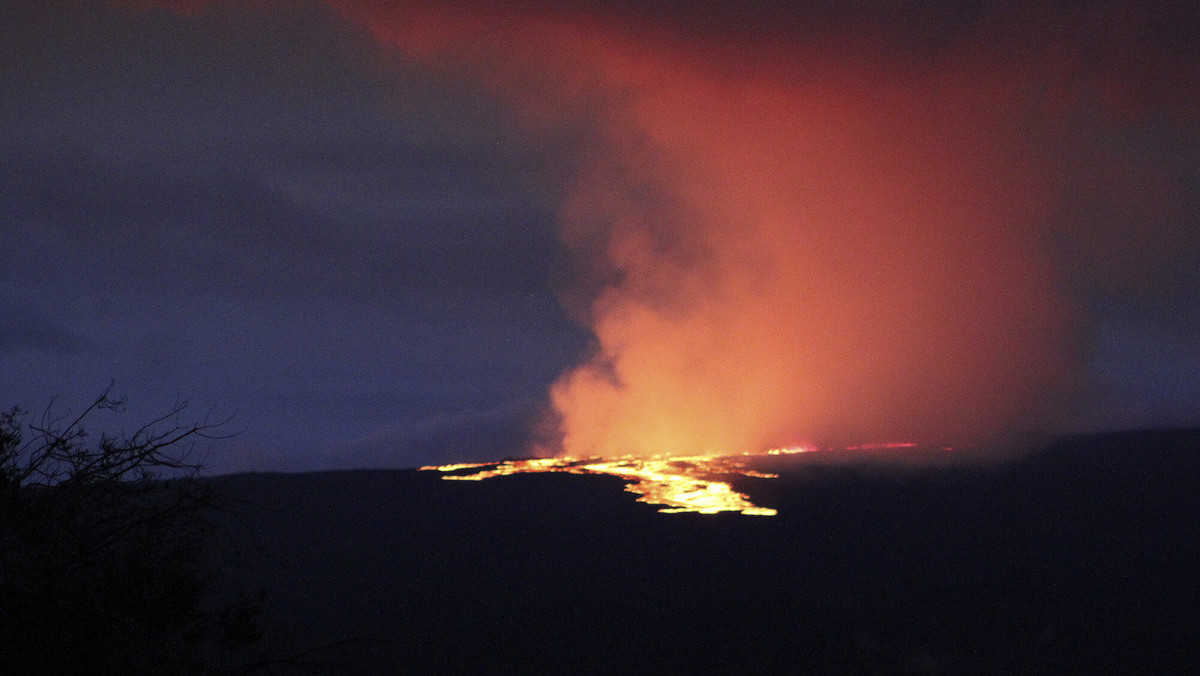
(681,484)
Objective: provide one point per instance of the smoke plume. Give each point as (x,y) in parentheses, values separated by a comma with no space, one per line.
(825,226)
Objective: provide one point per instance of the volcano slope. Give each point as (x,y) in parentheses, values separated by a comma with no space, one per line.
(1080,556)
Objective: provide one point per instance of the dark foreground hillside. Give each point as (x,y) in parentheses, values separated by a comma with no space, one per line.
(1081,558)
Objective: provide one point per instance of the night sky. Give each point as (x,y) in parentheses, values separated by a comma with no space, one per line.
(388,237)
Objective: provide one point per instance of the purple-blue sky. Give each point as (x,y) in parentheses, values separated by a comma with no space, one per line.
(351,236)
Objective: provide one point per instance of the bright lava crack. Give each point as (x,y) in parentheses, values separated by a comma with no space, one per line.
(680,484)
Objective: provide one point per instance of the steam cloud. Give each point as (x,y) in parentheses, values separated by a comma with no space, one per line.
(806,228)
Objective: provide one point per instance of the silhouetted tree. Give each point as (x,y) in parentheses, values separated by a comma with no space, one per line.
(102,547)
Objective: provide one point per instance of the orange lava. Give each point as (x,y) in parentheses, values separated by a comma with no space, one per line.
(680,484)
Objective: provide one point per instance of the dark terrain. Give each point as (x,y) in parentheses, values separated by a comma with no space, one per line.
(1081,557)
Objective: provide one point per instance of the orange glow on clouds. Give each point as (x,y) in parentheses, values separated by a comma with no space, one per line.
(809,243)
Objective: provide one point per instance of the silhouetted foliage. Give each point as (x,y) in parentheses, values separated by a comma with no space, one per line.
(102,547)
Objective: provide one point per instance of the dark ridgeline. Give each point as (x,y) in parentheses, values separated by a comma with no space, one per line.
(1080,558)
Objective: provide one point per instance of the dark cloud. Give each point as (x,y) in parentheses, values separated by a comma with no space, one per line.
(1130,220)
(262,146)
(259,209)
(417,226)
(27,328)
(474,436)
